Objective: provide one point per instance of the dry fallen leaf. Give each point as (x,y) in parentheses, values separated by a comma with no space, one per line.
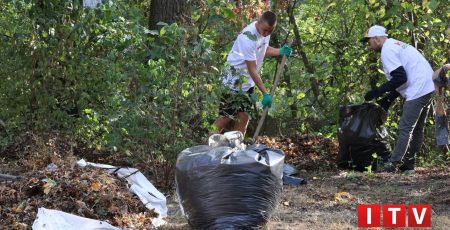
(20,226)
(113,209)
(341,196)
(48,185)
(96,186)
(47,188)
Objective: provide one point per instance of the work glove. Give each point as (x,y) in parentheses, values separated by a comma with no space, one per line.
(267,100)
(285,50)
(386,101)
(372,94)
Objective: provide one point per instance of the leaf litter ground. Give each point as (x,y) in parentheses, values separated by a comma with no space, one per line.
(87,192)
(330,198)
(328,201)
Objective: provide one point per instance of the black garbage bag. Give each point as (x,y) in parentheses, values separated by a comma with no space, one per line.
(290,174)
(361,134)
(224,188)
(290,170)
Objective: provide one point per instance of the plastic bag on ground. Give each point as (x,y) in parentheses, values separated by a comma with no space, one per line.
(147,193)
(289,170)
(361,136)
(49,219)
(289,176)
(292,180)
(222,187)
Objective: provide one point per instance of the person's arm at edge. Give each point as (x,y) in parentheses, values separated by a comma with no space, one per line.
(251,67)
(271,52)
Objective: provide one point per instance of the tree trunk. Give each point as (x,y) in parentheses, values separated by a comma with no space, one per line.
(289,94)
(286,79)
(309,67)
(168,11)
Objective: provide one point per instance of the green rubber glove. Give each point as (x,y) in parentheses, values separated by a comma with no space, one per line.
(267,101)
(285,50)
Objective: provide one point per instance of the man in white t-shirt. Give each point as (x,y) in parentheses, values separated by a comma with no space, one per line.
(409,75)
(245,60)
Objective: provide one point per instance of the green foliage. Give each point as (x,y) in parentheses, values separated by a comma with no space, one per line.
(102,75)
(344,67)
(63,60)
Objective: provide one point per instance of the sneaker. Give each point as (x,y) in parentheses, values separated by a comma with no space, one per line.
(390,167)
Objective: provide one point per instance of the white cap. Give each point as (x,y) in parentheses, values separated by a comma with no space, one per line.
(374,31)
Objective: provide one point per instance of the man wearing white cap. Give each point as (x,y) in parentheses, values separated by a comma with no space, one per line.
(409,75)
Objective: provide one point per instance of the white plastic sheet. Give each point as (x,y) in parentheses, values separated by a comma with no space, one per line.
(49,219)
(233,139)
(139,185)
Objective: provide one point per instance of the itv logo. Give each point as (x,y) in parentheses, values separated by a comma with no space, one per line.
(394,215)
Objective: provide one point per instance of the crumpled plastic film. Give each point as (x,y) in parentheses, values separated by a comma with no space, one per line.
(225,187)
(361,134)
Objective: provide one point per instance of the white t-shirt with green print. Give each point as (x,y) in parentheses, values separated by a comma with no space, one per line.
(249,46)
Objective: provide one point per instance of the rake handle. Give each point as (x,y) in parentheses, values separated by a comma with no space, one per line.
(272,91)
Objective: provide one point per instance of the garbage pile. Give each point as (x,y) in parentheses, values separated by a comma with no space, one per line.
(226,185)
(86,192)
(362,137)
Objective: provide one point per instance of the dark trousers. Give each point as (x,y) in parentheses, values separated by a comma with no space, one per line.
(411,130)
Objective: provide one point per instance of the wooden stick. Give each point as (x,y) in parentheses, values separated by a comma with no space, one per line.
(272,91)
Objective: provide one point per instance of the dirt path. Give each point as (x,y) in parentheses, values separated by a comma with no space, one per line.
(329,200)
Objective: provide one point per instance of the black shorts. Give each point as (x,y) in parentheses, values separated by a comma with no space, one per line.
(232,102)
